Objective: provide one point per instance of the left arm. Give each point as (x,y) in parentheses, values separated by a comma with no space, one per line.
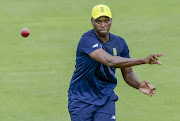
(132,80)
(130,77)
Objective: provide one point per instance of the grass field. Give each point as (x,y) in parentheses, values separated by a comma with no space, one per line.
(35,72)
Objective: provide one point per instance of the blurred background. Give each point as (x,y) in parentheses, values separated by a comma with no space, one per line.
(35,72)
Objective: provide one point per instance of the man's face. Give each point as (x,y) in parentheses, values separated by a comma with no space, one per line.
(102,25)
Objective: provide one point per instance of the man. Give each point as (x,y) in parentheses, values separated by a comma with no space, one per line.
(99,53)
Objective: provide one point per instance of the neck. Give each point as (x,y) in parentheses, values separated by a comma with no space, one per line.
(103,38)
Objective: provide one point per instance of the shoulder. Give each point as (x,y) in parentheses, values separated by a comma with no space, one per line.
(89,33)
(117,38)
(88,36)
(89,40)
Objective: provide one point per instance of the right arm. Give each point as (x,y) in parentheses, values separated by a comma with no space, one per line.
(119,62)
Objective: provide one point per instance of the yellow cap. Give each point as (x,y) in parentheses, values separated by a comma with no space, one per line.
(101,10)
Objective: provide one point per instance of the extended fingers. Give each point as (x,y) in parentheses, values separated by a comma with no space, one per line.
(154,56)
(154,59)
(158,62)
(159,55)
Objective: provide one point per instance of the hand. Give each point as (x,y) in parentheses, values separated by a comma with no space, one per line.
(153,59)
(146,88)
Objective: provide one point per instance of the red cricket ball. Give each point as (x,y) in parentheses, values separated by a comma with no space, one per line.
(25,32)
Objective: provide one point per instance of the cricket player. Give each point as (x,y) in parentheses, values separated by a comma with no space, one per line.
(91,94)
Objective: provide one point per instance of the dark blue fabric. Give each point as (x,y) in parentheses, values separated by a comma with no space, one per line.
(81,111)
(93,82)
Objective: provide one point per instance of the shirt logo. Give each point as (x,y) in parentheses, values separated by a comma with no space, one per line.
(113,117)
(95,45)
(114,52)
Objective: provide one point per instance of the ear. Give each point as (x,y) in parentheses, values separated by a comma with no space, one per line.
(92,20)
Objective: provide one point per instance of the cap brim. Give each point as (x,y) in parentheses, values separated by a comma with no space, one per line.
(97,16)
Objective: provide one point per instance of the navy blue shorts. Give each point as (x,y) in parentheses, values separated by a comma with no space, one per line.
(81,111)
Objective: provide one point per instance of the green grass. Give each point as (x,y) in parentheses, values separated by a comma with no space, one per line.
(35,72)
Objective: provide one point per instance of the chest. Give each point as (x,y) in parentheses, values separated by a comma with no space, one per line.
(113,49)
